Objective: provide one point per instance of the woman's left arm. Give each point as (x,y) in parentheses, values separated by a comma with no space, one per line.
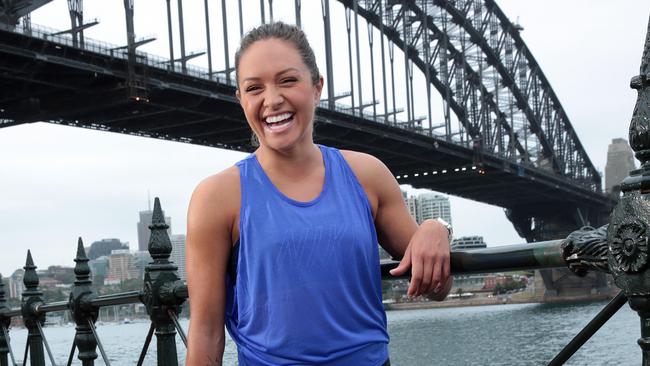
(423,249)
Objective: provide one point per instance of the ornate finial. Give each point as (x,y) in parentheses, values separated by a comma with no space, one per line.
(30,279)
(160,247)
(640,125)
(81,269)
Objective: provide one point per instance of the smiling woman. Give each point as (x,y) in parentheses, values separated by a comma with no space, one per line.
(282,248)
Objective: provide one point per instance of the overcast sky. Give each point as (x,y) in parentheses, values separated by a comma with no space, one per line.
(58,183)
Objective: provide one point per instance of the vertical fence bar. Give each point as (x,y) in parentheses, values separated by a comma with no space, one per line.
(628,231)
(30,299)
(81,309)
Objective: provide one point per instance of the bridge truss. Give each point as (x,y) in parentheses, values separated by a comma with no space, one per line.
(462,108)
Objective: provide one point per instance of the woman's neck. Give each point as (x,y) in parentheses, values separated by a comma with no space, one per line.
(297,161)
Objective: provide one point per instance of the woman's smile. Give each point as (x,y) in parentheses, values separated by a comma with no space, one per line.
(278,123)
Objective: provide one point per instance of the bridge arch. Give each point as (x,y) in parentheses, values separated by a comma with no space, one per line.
(476,59)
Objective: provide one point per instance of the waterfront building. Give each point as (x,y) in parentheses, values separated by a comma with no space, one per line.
(178,254)
(143,229)
(432,205)
(620,160)
(468,242)
(16,286)
(121,267)
(104,247)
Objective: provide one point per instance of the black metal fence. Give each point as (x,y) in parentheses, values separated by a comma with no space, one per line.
(163,293)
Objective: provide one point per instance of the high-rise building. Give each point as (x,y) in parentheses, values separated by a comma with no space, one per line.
(411,204)
(620,160)
(143,229)
(178,254)
(431,206)
(468,242)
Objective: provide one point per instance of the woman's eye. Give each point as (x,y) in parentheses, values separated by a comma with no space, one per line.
(252,88)
(288,80)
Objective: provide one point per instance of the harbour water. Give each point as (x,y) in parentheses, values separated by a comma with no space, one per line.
(520,334)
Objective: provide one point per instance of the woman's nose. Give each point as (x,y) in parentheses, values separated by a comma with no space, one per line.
(273,98)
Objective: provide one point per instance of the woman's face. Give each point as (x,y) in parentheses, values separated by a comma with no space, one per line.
(277,94)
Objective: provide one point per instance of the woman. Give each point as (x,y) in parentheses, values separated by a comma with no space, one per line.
(302,222)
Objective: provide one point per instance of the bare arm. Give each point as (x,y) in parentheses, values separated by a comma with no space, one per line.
(424,248)
(211,217)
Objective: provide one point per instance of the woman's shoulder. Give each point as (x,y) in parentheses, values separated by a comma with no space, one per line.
(364,166)
(220,189)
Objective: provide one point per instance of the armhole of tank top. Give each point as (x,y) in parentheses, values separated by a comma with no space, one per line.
(357,183)
(233,260)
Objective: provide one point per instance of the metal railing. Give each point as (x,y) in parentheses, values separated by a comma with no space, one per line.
(164,293)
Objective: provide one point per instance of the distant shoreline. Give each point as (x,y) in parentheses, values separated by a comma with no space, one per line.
(484,301)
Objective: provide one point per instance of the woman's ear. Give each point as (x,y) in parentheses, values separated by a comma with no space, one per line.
(318,88)
(238,95)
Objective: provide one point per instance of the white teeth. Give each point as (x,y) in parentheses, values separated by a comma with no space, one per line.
(278,118)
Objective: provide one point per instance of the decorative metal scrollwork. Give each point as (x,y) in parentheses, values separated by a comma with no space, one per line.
(629,246)
(585,250)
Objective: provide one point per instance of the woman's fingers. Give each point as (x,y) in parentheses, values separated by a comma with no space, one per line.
(416,276)
(403,265)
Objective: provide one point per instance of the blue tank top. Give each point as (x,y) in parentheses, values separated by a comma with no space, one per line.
(308,285)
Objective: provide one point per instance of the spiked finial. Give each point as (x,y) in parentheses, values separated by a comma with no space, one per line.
(81,269)
(160,247)
(30,279)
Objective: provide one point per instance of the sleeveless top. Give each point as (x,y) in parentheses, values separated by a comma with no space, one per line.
(307,288)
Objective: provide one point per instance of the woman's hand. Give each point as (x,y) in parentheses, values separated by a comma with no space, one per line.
(427,255)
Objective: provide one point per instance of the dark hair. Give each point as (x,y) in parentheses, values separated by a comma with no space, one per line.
(285,32)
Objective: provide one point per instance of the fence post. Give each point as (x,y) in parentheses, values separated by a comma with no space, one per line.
(630,225)
(5,321)
(30,300)
(160,281)
(81,309)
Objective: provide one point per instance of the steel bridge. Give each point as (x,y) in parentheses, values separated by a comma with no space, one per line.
(445,92)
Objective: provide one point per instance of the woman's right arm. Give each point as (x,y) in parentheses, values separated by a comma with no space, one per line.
(211,217)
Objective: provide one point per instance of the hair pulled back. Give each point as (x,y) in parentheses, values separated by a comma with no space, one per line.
(286,32)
